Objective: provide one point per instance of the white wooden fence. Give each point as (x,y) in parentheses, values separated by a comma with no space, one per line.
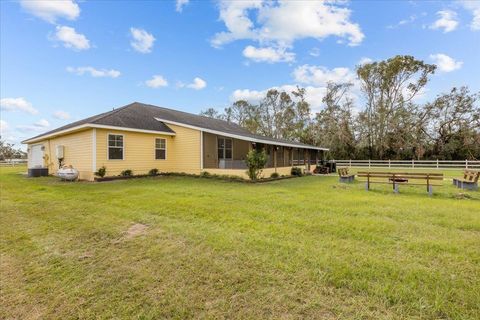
(412,164)
(13,162)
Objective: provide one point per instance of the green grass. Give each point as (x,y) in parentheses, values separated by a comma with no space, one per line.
(300,248)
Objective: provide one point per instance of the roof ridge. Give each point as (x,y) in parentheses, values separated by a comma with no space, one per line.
(109,113)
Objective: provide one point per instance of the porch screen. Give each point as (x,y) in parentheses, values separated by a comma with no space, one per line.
(225,148)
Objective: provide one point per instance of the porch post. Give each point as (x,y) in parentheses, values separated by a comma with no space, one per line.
(307,158)
(275,157)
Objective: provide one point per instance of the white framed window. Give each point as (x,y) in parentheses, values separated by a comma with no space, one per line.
(225,147)
(160,148)
(115,146)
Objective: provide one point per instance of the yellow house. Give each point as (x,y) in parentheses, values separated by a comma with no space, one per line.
(141,137)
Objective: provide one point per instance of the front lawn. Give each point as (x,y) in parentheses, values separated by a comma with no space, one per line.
(182,247)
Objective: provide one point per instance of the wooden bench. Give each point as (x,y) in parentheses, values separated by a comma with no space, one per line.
(344,176)
(469,181)
(402,178)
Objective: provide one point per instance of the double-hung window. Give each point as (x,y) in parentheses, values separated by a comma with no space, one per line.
(225,148)
(160,149)
(115,147)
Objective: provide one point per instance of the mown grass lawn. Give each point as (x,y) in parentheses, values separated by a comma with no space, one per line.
(298,248)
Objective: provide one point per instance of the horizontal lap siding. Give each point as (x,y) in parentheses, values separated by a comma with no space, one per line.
(183,152)
(77,152)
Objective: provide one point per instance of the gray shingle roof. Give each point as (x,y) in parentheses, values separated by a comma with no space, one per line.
(143,116)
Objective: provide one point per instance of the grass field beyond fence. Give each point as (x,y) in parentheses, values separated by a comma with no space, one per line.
(182,247)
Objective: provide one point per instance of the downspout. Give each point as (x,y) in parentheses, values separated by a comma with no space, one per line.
(94,150)
(201,150)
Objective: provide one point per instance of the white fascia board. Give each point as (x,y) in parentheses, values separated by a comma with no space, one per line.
(92,125)
(240,137)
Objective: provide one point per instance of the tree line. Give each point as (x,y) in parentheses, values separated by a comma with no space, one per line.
(8,151)
(384,122)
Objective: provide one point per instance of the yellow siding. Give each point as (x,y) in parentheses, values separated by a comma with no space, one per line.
(183,152)
(77,152)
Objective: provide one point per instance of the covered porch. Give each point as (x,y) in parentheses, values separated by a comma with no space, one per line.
(226,155)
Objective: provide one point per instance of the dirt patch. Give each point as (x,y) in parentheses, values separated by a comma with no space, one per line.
(135,230)
(339,186)
(86,255)
(462,195)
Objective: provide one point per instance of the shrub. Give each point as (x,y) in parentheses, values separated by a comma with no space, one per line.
(205,174)
(296,171)
(126,173)
(274,175)
(101,172)
(255,161)
(153,172)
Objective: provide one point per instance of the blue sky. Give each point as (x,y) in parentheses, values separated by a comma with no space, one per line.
(61,61)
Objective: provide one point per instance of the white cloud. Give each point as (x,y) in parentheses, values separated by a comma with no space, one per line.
(197,84)
(320,76)
(39,126)
(447,21)
(314,52)
(156,82)
(283,22)
(411,19)
(17,104)
(445,63)
(4,126)
(268,54)
(42,123)
(364,60)
(51,10)
(313,78)
(97,73)
(180,4)
(253,96)
(474,7)
(142,40)
(71,39)
(62,115)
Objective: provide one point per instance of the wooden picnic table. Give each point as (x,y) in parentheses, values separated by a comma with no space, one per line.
(402,178)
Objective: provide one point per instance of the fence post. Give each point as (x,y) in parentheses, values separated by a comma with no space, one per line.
(368,163)
(413,163)
(466,163)
(350,164)
(437,163)
(389,163)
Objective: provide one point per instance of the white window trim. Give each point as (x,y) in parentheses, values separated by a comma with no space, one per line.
(155,148)
(108,147)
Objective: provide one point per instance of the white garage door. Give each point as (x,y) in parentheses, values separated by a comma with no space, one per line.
(36,157)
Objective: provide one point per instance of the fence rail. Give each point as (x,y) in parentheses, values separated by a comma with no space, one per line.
(412,164)
(13,162)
